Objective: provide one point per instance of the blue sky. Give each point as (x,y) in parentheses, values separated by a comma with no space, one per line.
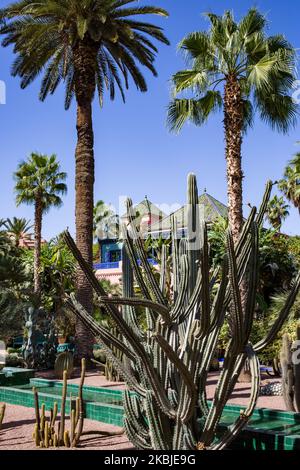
(135,153)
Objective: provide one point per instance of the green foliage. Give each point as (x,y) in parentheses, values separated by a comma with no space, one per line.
(290,184)
(40,178)
(264,67)
(277,212)
(13,288)
(17,228)
(46,34)
(278,258)
(58,271)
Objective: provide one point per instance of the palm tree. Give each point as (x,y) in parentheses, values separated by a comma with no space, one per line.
(90,45)
(18,228)
(290,184)
(277,212)
(237,68)
(106,221)
(39,181)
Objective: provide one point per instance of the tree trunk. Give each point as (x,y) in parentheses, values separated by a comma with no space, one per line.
(84,66)
(38,214)
(233,122)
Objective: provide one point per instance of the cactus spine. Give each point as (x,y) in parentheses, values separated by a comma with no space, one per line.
(46,434)
(167,365)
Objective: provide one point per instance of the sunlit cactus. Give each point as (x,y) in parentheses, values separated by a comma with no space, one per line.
(166,367)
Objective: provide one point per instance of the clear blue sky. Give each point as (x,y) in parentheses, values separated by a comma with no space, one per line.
(135,153)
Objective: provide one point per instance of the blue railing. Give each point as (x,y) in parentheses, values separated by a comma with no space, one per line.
(115,265)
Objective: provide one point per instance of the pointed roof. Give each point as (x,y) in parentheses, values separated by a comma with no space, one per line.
(143,208)
(210,210)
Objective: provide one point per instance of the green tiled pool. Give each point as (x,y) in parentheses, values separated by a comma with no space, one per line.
(93,396)
(101,404)
(267,429)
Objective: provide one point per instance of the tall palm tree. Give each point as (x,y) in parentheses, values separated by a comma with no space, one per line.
(237,68)
(290,184)
(90,45)
(277,212)
(39,181)
(17,228)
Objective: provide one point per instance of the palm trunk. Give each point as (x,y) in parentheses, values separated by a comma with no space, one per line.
(37,247)
(84,59)
(233,123)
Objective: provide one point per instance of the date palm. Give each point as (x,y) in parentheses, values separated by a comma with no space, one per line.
(237,68)
(89,45)
(290,184)
(17,228)
(277,212)
(39,182)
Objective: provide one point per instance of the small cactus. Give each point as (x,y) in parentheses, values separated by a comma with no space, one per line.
(64,362)
(45,435)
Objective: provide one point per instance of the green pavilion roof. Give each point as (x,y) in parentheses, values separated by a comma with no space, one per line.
(210,210)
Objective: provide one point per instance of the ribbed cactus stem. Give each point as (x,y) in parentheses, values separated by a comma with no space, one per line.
(63,409)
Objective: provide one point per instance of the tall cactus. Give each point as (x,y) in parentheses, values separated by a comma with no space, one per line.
(167,365)
(290,367)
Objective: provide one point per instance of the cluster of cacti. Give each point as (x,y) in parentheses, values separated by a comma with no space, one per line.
(167,365)
(2,413)
(49,433)
(290,370)
(64,362)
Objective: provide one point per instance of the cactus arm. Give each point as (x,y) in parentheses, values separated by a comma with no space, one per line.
(98,330)
(175,255)
(134,415)
(246,414)
(137,440)
(205,290)
(158,440)
(253,280)
(136,302)
(236,304)
(163,270)
(177,309)
(63,409)
(193,218)
(136,269)
(282,317)
(187,378)
(140,352)
(78,433)
(264,204)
